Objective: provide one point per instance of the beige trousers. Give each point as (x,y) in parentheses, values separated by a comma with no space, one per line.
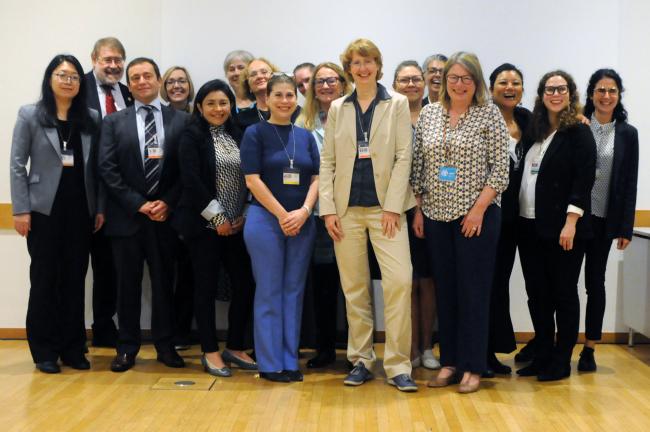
(394,258)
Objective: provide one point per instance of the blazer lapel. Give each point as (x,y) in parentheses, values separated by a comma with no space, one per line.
(53,136)
(377,117)
(555,144)
(619,152)
(350,119)
(132,137)
(85,146)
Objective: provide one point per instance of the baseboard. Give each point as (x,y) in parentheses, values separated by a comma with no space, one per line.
(380,337)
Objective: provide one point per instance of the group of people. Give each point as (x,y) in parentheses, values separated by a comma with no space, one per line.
(441,189)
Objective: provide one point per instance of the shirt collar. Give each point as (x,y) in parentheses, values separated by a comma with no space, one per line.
(155,103)
(382,94)
(601,128)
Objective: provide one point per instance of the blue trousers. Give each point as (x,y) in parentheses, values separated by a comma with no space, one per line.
(280,266)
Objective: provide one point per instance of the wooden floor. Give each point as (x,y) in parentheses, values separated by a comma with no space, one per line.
(616,398)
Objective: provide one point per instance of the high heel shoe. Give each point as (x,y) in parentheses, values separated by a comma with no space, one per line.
(444,381)
(223,372)
(229,357)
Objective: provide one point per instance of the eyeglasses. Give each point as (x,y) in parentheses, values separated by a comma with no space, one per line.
(416,80)
(108,60)
(561,89)
(261,72)
(603,91)
(466,79)
(363,62)
(435,71)
(67,78)
(172,82)
(320,82)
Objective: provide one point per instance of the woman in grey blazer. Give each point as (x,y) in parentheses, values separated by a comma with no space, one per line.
(56,207)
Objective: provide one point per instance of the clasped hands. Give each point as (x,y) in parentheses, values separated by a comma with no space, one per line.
(227,228)
(157,211)
(292,221)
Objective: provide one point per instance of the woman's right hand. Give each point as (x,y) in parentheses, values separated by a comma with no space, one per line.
(418,223)
(23,223)
(225,229)
(333,225)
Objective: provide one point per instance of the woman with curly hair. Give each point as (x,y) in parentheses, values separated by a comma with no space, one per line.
(555,210)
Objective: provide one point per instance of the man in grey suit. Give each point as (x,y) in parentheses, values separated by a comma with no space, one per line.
(138,163)
(105,94)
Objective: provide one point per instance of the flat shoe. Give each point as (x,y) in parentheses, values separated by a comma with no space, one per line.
(223,372)
(469,387)
(49,367)
(443,382)
(229,358)
(275,377)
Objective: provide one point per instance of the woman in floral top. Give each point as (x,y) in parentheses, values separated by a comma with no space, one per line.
(460,167)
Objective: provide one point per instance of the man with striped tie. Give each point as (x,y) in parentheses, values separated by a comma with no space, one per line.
(138,161)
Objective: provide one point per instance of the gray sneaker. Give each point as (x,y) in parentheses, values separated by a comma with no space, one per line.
(404,383)
(358,375)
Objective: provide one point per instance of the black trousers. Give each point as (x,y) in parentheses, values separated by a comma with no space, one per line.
(153,243)
(207,251)
(58,245)
(104,288)
(502,334)
(596,254)
(551,275)
(463,269)
(183,294)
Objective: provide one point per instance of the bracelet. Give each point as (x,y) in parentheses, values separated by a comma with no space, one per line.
(308,209)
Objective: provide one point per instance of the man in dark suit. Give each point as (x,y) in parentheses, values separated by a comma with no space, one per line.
(106,95)
(138,163)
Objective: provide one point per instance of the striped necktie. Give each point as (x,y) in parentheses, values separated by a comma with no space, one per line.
(151,165)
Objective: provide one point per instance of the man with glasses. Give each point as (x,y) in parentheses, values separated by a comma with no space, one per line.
(106,94)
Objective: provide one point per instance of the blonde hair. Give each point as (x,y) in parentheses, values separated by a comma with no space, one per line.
(365,48)
(243,82)
(470,62)
(163,88)
(312,106)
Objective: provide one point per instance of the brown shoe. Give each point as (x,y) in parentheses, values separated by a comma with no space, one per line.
(469,387)
(437,381)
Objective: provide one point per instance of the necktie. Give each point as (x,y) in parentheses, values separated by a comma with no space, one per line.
(151,165)
(109,102)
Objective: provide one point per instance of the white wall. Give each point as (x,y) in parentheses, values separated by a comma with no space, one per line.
(579,36)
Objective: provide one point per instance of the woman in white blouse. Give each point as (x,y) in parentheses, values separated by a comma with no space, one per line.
(460,167)
(554,223)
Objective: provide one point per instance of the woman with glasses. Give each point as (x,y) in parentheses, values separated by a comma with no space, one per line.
(507,88)
(233,66)
(433,67)
(56,207)
(613,197)
(364,192)
(210,218)
(555,221)
(280,163)
(409,81)
(460,170)
(177,89)
(328,83)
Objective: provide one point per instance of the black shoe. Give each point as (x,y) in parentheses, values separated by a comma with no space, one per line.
(496,366)
(487,373)
(321,359)
(49,367)
(527,353)
(79,362)
(123,362)
(294,375)
(532,369)
(555,373)
(275,377)
(587,362)
(170,359)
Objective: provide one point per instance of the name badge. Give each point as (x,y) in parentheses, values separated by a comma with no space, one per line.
(154,152)
(291,176)
(364,149)
(534,167)
(67,158)
(447,174)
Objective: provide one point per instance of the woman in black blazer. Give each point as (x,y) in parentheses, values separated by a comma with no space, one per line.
(613,198)
(507,88)
(210,219)
(555,210)
(56,207)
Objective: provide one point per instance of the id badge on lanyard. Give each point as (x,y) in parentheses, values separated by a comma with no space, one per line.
(363,148)
(291,176)
(67,156)
(536,163)
(447,174)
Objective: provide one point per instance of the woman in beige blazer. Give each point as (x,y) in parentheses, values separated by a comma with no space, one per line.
(364,190)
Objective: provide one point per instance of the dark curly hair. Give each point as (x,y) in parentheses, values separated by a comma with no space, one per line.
(620,114)
(540,125)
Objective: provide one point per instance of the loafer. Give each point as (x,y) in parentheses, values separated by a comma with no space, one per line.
(79,363)
(358,375)
(223,372)
(439,381)
(554,373)
(587,362)
(229,358)
(123,362)
(496,366)
(404,383)
(182,347)
(429,361)
(527,353)
(275,377)
(321,359)
(48,366)
(294,375)
(532,369)
(170,359)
